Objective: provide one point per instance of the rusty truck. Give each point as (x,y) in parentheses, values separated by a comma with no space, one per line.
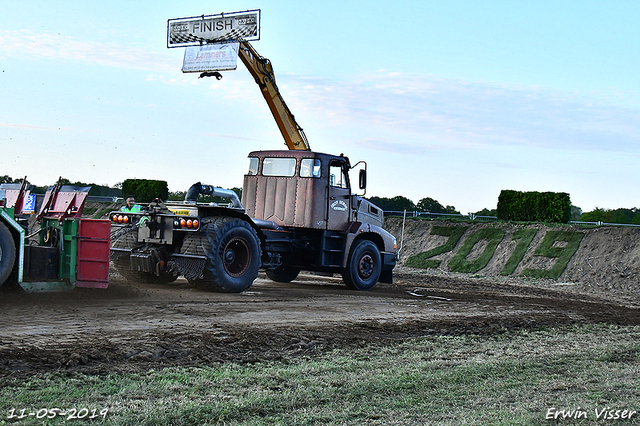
(298,211)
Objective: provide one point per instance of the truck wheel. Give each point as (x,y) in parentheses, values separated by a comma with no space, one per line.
(283,274)
(7,253)
(363,266)
(234,259)
(124,238)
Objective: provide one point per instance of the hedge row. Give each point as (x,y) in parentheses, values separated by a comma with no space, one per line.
(145,190)
(547,207)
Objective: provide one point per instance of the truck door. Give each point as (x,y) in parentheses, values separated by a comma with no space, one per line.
(339,197)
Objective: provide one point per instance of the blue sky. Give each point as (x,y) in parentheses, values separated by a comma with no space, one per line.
(450,100)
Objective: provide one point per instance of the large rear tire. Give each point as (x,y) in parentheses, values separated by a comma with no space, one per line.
(363,266)
(234,258)
(7,253)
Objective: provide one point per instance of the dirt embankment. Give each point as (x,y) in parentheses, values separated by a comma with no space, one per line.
(606,261)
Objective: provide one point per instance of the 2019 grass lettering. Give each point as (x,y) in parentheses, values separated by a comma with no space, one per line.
(560,245)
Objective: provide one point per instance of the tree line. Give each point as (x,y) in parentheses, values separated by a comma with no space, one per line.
(96,190)
(400,203)
(624,216)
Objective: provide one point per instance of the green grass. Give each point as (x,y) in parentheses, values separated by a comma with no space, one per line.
(547,248)
(508,379)
(524,237)
(423,260)
(101,213)
(459,262)
(88,211)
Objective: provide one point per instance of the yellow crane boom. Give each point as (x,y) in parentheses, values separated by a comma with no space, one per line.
(262,71)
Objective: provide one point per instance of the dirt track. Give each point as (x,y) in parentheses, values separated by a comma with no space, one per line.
(131,327)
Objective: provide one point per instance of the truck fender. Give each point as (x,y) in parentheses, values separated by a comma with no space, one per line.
(254,223)
(381,238)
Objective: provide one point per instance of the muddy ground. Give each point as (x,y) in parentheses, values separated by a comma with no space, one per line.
(132,327)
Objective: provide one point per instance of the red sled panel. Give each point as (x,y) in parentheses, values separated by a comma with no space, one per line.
(94,239)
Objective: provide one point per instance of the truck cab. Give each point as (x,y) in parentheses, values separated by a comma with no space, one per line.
(305,189)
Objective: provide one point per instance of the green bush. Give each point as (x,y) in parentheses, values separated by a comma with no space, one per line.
(547,207)
(145,190)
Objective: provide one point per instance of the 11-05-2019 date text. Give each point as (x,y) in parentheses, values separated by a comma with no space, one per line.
(50,413)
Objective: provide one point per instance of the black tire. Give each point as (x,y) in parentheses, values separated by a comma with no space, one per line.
(283,274)
(234,258)
(7,253)
(127,238)
(124,238)
(363,266)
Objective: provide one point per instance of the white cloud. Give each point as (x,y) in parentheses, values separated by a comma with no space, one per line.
(28,45)
(422,110)
(35,127)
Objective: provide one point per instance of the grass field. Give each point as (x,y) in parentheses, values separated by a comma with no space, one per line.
(516,378)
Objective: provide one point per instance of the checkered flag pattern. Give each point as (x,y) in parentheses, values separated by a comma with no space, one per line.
(237,34)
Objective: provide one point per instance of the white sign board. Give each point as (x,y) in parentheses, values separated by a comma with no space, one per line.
(211,57)
(199,30)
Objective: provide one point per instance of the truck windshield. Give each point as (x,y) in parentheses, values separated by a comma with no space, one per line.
(279,167)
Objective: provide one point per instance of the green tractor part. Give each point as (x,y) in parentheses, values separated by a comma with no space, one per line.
(64,250)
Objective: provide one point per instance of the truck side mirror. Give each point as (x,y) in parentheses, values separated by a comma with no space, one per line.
(363,179)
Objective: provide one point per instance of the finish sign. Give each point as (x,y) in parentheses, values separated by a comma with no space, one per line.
(205,29)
